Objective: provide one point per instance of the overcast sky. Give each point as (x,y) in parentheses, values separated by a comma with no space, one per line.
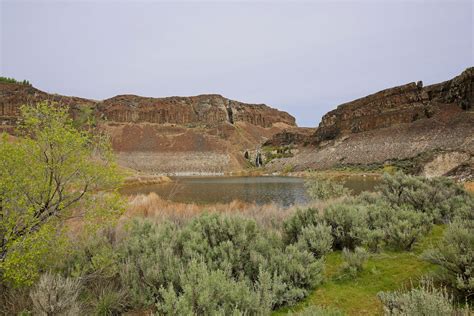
(301,57)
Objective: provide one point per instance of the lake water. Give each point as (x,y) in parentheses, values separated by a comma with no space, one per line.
(285,191)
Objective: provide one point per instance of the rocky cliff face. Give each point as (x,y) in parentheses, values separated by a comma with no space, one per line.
(203,109)
(199,134)
(403,104)
(396,125)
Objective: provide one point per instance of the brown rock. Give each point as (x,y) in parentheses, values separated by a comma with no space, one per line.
(403,104)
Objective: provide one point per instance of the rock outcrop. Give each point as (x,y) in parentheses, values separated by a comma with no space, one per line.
(394,125)
(296,136)
(203,134)
(202,109)
(403,104)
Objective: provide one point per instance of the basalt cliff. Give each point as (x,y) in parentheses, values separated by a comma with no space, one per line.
(429,130)
(203,134)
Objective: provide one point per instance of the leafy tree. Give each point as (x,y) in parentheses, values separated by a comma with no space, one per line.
(44,173)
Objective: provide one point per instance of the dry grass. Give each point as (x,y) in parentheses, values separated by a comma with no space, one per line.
(469,186)
(157,209)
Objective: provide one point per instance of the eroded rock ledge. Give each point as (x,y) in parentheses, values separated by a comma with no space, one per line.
(403,104)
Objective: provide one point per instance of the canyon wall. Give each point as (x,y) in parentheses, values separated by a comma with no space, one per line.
(403,104)
(203,109)
(396,126)
(203,134)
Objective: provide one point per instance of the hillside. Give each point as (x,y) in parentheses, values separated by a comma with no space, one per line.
(177,135)
(428,129)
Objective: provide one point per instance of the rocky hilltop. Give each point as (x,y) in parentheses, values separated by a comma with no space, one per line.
(397,125)
(175,135)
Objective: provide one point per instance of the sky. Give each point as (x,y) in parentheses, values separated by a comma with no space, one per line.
(303,57)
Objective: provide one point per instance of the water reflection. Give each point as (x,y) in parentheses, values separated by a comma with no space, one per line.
(285,191)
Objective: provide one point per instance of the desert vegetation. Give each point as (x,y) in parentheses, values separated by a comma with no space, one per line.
(70,245)
(13,80)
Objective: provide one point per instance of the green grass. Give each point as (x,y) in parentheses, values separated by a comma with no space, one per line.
(386,271)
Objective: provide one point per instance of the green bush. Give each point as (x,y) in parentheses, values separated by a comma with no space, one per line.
(324,189)
(215,263)
(205,292)
(440,198)
(107,299)
(454,254)
(425,300)
(148,261)
(302,218)
(316,239)
(348,222)
(354,260)
(406,227)
(12,80)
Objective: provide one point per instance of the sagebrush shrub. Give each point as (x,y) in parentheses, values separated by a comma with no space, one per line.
(206,292)
(316,239)
(455,255)
(55,295)
(440,197)
(425,300)
(302,218)
(406,227)
(325,189)
(240,267)
(354,260)
(348,222)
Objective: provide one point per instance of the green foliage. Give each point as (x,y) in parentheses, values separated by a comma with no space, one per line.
(317,311)
(43,175)
(215,263)
(354,260)
(207,292)
(425,300)
(348,222)
(439,198)
(85,117)
(325,189)
(406,227)
(107,300)
(454,254)
(12,80)
(35,252)
(316,239)
(272,152)
(55,295)
(302,218)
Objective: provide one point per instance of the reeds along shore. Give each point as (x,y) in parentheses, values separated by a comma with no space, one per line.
(157,209)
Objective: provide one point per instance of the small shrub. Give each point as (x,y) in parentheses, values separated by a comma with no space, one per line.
(55,295)
(106,299)
(354,260)
(205,292)
(438,197)
(425,300)
(316,239)
(13,80)
(324,189)
(214,264)
(455,255)
(293,226)
(405,228)
(348,222)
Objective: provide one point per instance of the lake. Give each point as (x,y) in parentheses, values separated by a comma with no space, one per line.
(284,191)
